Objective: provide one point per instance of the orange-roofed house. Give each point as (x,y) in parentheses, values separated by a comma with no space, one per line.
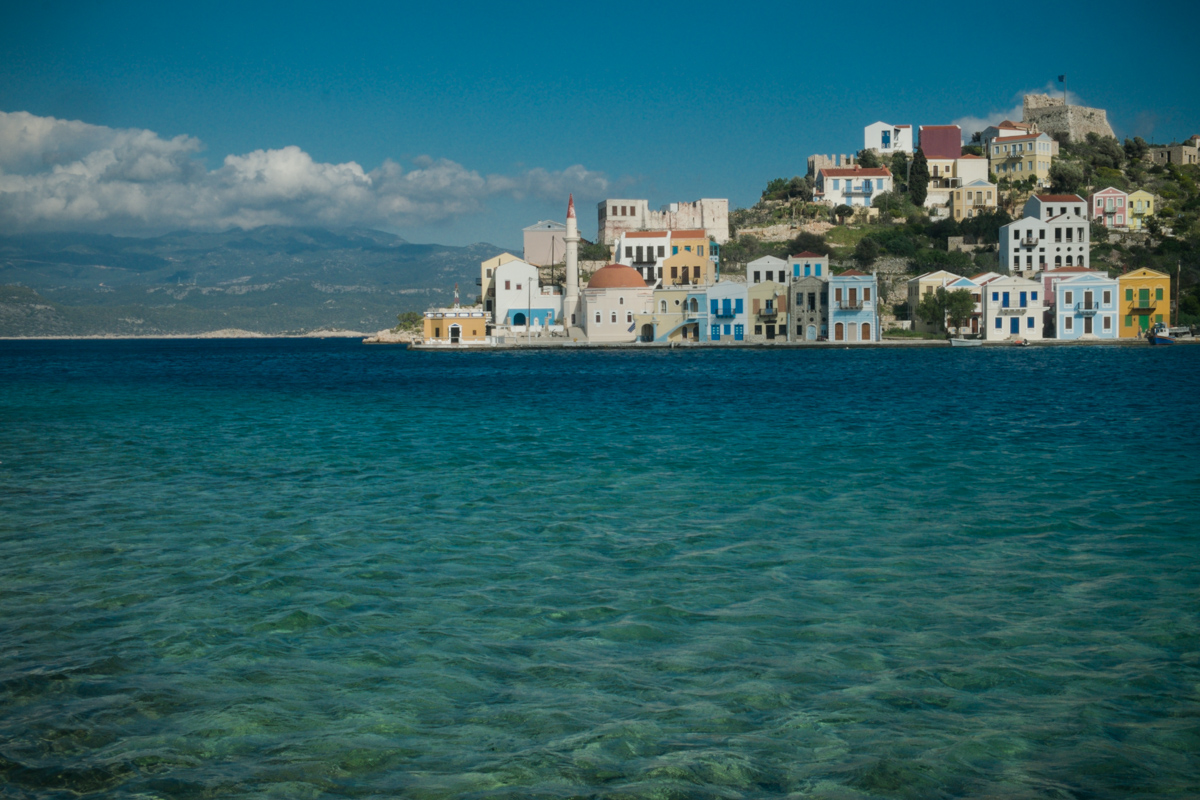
(669,258)
(614,295)
(854,186)
(1019,158)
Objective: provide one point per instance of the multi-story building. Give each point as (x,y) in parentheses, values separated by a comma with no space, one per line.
(1109,207)
(1020,157)
(1085,306)
(615,217)
(487,283)
(677,314)
(810,307)
(922,286)
(768,311)
(1012,308)
(886,139)
(1004,130)
(807,263)
(948,174)
(968,200)
(727,312)
(545,243)
(521,300)
(767,268)
(1139,207)
(1145,300)
(855,187)
(1052,234)
(669,258)
(853,303)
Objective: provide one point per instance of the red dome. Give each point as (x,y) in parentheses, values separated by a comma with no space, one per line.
(616,276)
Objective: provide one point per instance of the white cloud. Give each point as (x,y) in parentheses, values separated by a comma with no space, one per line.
(971,124)
(68,175)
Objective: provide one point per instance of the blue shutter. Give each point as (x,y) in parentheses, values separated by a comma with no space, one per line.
(713,305)
(738,306)
(725,306)
(1030,325)
(995,296)
(999,324)
(1033,296)
(1004,300)
(1023,300)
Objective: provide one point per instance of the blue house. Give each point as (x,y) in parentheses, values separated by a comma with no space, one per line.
(727,312)
(853,304)
(1086,307)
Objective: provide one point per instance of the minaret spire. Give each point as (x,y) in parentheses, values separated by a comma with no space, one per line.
(571,293)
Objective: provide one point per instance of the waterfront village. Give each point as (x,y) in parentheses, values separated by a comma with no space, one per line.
(660,279)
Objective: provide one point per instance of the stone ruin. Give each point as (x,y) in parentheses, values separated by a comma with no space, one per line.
(1052,115)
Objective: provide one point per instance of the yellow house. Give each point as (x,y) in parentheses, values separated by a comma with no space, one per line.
(1021,157)
(768,311)
(1145,299)
(455,326)
(1140,207)
(487,285)
(689,260)
(974,198)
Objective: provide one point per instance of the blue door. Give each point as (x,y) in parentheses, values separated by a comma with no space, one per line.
(1015,325)
(739,332)
(716,332)
(1004,300)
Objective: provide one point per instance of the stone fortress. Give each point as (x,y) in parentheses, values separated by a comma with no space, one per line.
(1052,115)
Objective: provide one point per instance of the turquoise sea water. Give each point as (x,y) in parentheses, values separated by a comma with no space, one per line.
(319,569)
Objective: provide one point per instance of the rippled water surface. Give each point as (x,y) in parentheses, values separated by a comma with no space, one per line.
(308,569)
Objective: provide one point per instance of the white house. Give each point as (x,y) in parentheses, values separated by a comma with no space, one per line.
(767,268)
(1012,308)
(886,139)
(1052,234)
(521,300)
(853,187)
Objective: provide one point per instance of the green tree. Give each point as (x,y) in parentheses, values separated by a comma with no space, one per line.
(409,320)
(932,308)
(1066,177)
(959,307)
(918,179)
(843,211)
(594,251)
(899,168)
(973,150)
(806,242)
(1136,148)
(866,251)
(869,159)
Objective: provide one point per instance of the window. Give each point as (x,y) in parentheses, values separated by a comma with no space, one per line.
(757,276)
(489,273)
(1128,320)
(687,247)
(1029,322)
(1067,324)
(1128,296)
(507,285)
(1107,297)
(1068,298)
(835,186)
(674,272)
(518,287)
(614,316)
(1017,262)
(758,330)
(629,253)
(995,296)
(737,306)
(1158,294)
(1033,296)
(674,249)
(623,214)
(614,211)
(1016,235)
(696,273)
(837,295)
(629,316)
(866,294)
(597,316)
(998,323)
(700,250)
(1024,300)
(1108,323)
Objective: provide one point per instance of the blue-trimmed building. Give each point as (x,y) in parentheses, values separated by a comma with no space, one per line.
(727,312)
(1085,307)
(808,265)
(853,307)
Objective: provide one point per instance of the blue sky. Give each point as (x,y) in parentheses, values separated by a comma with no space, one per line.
(493,104)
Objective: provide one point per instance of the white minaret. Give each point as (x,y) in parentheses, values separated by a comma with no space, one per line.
(571,298)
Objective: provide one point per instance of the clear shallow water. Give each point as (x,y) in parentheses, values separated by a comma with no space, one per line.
(309,569)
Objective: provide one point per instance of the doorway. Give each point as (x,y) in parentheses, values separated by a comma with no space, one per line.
(455,334)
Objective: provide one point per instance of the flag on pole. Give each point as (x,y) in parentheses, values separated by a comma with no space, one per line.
(1062,78)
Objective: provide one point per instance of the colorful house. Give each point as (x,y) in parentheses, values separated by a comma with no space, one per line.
(767,268)
(670,257)
(1021,157)
(806,264)
(1140,207)
(1145,300)
(853,297)
(486,281)
(1085,307)
(1012,308)
(854,187)
(1109,207)
(768,311)
(455,326)
(727,317)
(972,198)
(521,300)
(921,286)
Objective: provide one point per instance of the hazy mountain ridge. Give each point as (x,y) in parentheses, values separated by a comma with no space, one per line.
(271,280)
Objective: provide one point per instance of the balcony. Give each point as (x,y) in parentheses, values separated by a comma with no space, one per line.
(1029,241)
(769,311)
(1013,310)
(1087,309)
(724,313)
(849,305)
(1143,305)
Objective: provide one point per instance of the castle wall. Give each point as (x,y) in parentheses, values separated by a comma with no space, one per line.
(1053,116)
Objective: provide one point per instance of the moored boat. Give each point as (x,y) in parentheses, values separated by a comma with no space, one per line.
(1159,335)
(959,342)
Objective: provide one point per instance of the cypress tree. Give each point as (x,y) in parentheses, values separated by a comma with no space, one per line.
(918,179)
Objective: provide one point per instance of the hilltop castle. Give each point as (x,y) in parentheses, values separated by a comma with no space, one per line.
(1052,115)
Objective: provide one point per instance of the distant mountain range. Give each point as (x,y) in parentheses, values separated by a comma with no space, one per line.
(273,280)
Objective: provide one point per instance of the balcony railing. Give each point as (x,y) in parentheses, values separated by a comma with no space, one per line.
(769,311)
(850,305)
(1087,309)
(1029,241)
(1011,310)
(1143,305)
(724,313)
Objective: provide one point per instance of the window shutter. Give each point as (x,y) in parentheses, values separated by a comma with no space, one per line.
(782,303)
(756,305)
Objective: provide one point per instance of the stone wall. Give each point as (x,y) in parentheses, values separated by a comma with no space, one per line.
(1053,116)
(818,162)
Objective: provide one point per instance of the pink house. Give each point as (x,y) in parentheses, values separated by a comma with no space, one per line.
(1110,206)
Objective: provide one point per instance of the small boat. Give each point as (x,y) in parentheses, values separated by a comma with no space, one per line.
(1021,342)
(1159,335)
(960,342)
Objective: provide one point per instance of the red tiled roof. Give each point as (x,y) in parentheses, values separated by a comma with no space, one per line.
(807,254)
(841,172)
(692,234)
(1059,198)
(937,128)
(1009,125)
(968,155)
(855,273)
(903,126)
(645,234)
(1024,138)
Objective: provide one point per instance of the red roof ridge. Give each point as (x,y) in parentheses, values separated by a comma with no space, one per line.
(807,254)
(1059,198)
(870,172)
(855,272)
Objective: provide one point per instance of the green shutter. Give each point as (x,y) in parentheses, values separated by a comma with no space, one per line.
(1158,293)
(1129,294)
(1158,317)
(1128,321)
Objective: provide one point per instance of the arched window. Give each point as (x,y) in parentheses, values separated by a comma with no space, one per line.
(597,316)
(620,301)
(614,316)
(866,332)
(629,316)
(1069,261)
(662,306)
(1058,261)
(839,332)
(695,307)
